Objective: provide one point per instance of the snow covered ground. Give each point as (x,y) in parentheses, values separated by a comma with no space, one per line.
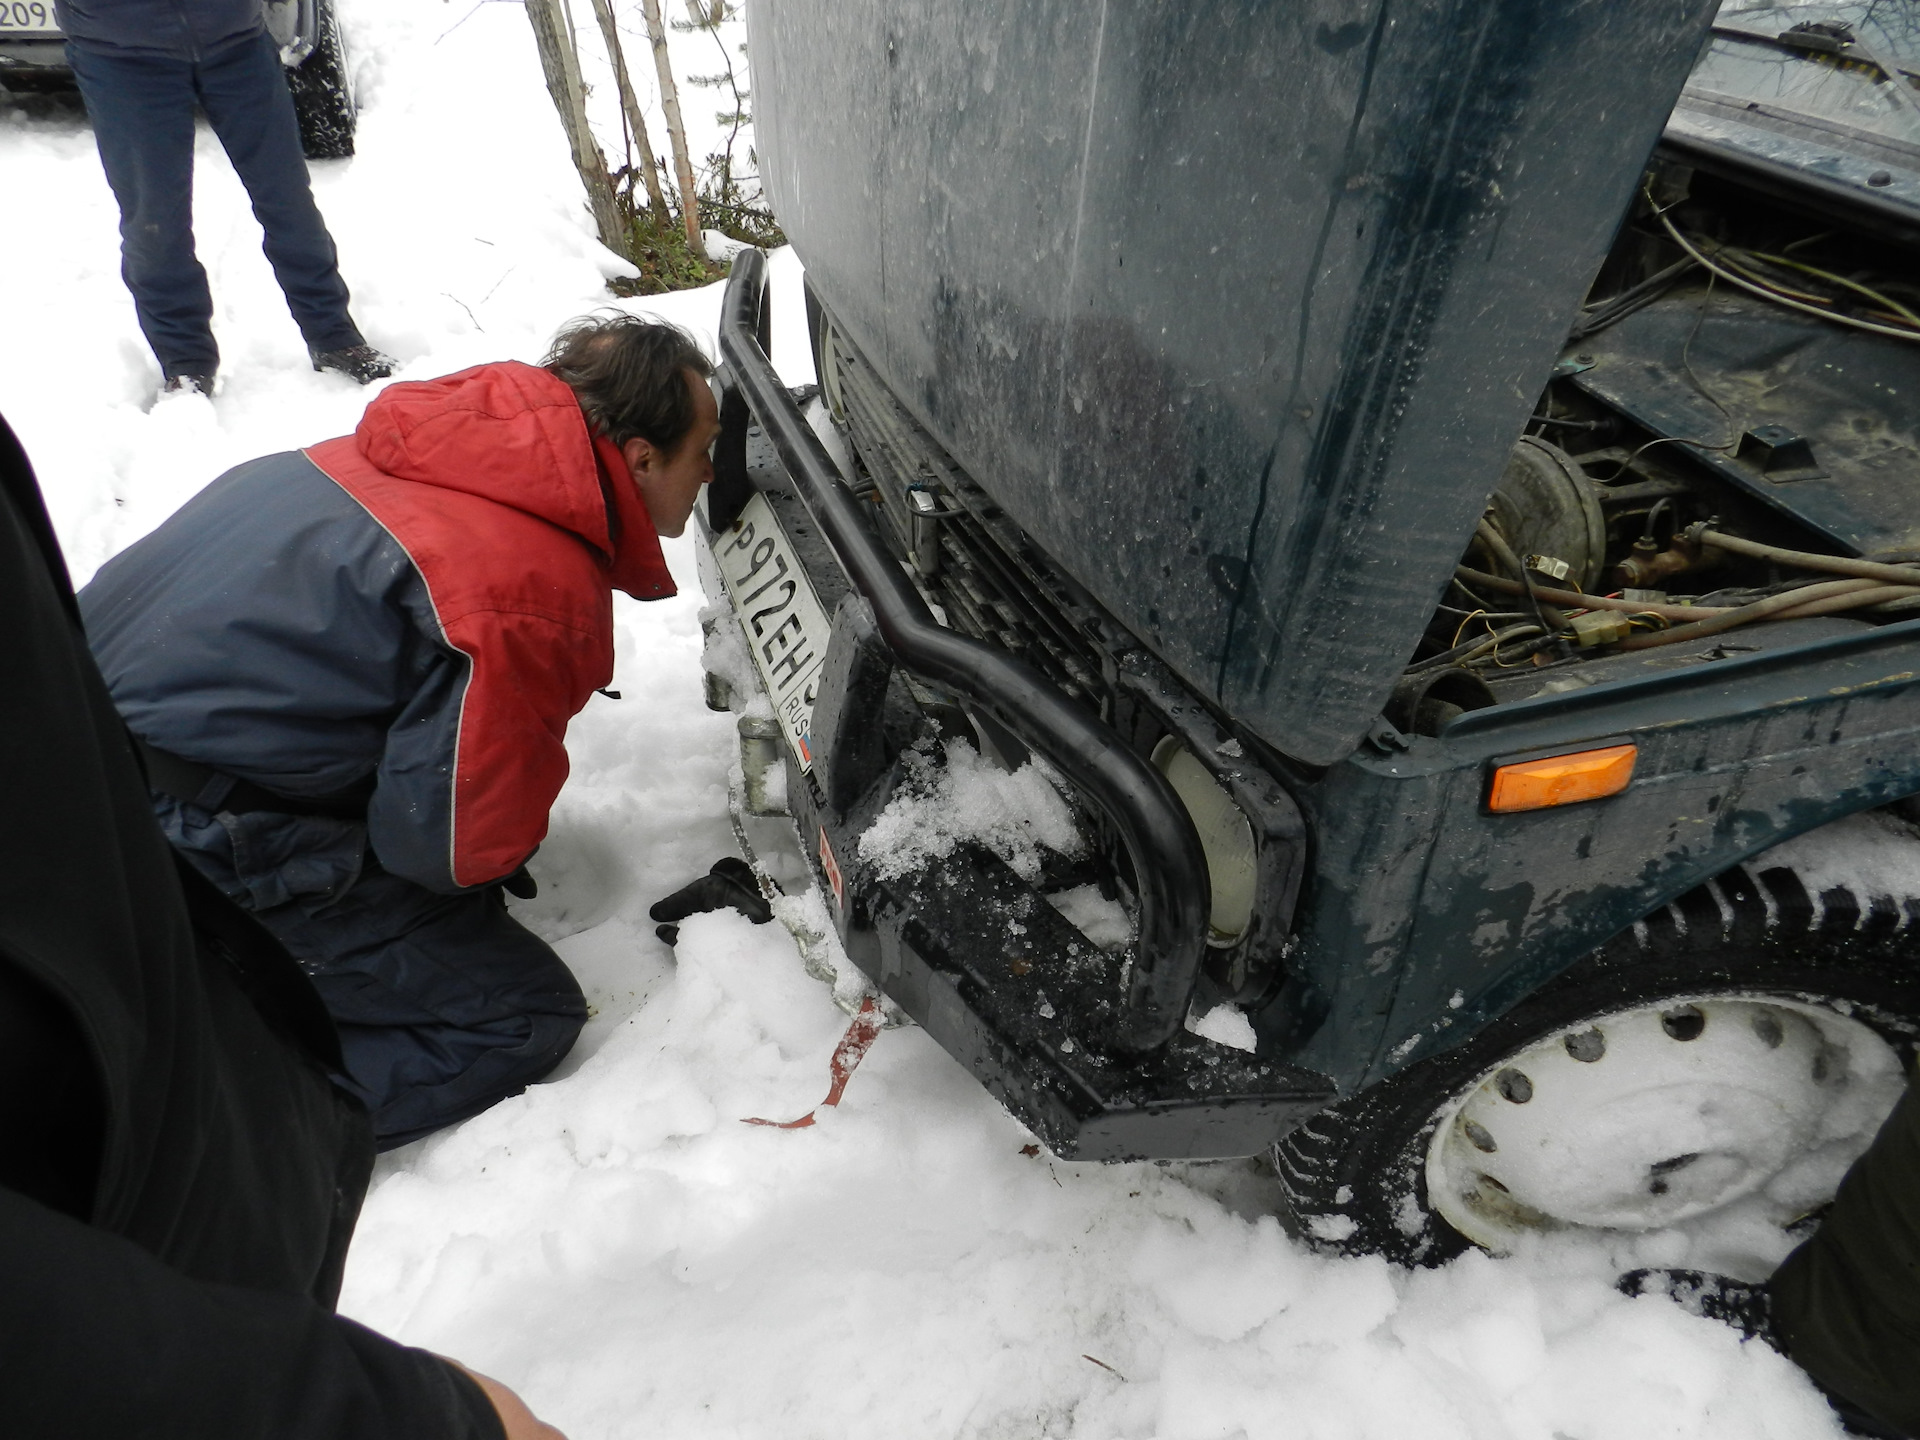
(615,1243)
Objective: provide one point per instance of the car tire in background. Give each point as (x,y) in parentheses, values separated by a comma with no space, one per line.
(1743,1010)
(322,86)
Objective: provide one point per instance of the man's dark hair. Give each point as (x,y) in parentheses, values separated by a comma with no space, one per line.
(630,375)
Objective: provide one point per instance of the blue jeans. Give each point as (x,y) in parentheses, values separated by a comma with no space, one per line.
(142,112)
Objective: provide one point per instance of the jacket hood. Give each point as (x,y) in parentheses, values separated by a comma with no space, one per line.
(514,434)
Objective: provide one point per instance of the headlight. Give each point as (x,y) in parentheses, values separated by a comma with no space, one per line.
(1225,838)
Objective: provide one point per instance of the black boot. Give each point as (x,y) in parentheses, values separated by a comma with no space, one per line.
(359,362)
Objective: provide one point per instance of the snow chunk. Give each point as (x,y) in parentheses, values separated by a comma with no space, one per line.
(969,798)
(1332,1229)
(1408,1218)
(1224,1025)
(1105,922)
(721,248)
(724,652)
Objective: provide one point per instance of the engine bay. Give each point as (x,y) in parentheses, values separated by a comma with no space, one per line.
(1724,460)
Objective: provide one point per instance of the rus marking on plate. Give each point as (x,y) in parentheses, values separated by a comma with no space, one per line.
(779,614)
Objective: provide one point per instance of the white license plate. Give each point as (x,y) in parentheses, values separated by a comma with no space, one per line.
(779,614)
(28,19)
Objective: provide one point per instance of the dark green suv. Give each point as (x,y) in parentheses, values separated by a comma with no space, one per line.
(1434,489)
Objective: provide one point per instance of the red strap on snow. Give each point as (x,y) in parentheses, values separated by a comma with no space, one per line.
(847,1056)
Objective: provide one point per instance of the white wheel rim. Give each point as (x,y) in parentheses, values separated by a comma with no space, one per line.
(1660,1114)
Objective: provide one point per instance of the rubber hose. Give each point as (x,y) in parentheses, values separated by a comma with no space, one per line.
(1573,599)
(1860,600)
(1802,603)
(1806,560)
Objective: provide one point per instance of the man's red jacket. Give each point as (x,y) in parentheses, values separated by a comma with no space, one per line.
(426,601)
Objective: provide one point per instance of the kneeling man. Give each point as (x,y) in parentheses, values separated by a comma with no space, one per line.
(350,669)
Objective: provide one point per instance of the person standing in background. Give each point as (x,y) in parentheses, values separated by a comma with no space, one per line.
(142,65)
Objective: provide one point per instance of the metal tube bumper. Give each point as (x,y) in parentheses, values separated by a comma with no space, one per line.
(1168,865)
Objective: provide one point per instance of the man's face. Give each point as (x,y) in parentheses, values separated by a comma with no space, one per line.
(669,482)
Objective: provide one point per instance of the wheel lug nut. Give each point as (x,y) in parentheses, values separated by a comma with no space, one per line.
(1586,1047)
(1478,1137)
(1514,1086)
(1684,1022)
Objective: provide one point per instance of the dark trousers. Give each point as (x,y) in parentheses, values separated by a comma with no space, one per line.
(446,1004)
(142,112)
(1847,1303)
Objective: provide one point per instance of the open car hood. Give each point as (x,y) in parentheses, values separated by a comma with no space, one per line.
(1237,309)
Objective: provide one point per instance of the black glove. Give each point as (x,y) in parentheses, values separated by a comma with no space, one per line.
(729,885)
(521,885)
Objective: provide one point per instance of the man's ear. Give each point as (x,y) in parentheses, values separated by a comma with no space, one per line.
(640,455)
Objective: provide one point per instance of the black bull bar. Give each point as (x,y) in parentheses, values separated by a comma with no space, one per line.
(1097,1063)
(1135,798)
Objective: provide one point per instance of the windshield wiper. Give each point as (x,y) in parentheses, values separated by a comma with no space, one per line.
(1829,37)
(1820,37)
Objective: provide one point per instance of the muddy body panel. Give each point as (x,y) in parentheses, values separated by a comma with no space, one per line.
(1429,916)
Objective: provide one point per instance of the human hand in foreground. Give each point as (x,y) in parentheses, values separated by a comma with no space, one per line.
(519,1422)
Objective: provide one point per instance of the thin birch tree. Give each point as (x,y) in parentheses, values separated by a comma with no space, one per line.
(676,131)
(560,63)
(630,106)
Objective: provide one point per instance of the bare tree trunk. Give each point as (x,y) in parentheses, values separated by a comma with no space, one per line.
(676,132)
(636,118)
(561,65)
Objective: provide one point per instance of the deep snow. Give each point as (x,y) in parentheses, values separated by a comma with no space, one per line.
(615,1243)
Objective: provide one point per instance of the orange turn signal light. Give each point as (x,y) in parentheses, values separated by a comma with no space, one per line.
(1562,779)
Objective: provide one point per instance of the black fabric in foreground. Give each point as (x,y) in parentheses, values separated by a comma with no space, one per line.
(1847,1303)
(195,1129)
(103,1342)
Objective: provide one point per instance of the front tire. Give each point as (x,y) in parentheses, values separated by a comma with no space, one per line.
(322,87)
(1757,1032)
